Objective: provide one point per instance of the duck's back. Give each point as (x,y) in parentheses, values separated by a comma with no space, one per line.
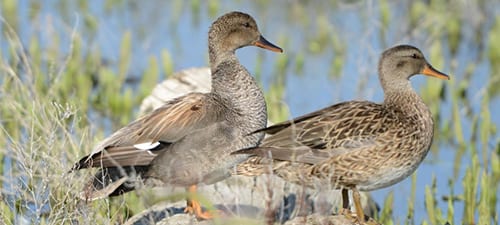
(340,144)
(203,156)
(346,125)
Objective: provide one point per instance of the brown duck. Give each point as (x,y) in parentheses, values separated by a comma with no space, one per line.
(188,140)
(357,145)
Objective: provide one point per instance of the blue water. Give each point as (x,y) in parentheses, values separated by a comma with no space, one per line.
(162,25)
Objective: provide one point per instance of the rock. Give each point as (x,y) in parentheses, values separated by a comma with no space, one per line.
(317,219)
(181,83)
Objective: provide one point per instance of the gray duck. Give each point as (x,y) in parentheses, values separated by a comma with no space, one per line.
(356,145)
(188,140)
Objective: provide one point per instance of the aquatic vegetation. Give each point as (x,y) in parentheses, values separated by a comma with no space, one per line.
(64,89)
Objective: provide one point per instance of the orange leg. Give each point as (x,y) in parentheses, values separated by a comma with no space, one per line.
(346,210)
(357,203)
(194,206)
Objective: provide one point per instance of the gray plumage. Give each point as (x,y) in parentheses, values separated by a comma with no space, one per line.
(190,137)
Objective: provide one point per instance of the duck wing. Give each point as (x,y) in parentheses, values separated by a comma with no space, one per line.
(138,143)
(320,135)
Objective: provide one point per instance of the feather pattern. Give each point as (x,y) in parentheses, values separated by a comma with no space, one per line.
(195,132)
(355,144)
(166,124)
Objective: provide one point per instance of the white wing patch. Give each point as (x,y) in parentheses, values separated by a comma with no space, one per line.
(147,145)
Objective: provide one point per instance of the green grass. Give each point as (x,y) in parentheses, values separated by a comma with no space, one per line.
(44,126)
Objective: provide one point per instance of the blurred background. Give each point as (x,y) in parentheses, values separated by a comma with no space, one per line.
(74,71)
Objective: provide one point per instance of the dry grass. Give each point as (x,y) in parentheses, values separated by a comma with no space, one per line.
(55,106)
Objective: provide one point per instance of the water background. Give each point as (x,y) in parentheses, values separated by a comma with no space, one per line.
(355,31)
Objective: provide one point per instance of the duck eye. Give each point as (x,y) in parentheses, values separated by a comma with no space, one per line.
(247,24)
(415,56)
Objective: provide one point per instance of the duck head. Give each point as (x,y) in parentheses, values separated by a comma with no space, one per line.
(401,62)
(235,30)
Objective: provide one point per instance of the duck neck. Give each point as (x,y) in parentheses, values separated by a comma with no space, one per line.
(404,100)
(398,93)
(218,52)
(234,85)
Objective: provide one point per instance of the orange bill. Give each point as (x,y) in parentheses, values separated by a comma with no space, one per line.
(430,71)
(263,43)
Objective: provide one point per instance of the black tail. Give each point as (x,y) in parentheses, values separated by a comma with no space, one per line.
(114,181)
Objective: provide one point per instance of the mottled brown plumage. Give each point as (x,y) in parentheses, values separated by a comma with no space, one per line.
(188,140)
(357,145)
